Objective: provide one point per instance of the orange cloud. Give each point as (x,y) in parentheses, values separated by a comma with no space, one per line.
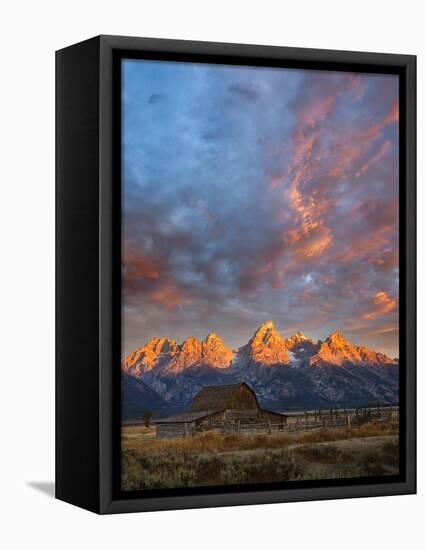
(316,111)
(347,153)
(169,296)
(393,114)
(382,303)
(386,259)
(390,117)
(276,181)
(384,330)
(310,236)
(266,268)
(358,144)
(138,267)
(303,147)
(309,240)
(327,279)
(365,245)
(375,158)
(318,154)
(144,274)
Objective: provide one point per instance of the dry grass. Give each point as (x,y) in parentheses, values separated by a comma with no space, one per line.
(132,429)
(215,442)
(366,430)
(137,432)
(219,459)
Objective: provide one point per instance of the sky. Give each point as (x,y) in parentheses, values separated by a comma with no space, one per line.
(252,193)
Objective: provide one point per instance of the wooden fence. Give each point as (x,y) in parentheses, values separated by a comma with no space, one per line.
(305,423)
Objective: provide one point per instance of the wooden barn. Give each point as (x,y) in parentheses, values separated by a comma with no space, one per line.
(217,406)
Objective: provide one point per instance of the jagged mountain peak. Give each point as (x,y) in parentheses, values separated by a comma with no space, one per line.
(336,339)
(191,342)
(267,346)
(336,350)
(296,340)
(265,333)
(267,324)
(214,343)
(160,344)
(212,337)
(210,352)
(148,356)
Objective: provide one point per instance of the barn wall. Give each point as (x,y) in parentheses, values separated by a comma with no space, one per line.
(212,421)
(275,418)
(214,418)
(242,398)
(242,415)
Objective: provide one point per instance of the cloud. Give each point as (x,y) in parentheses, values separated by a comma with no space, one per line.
(382,304)
(383,149)
(244,91)
(155,98)
(137,267)
(252,194)
(169,296)
(315,111)
(384,330)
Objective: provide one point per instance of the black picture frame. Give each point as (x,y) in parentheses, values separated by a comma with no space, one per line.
(88,284)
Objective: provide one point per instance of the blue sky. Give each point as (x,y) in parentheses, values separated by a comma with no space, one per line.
(257,193)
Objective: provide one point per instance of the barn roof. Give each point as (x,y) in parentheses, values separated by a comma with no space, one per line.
(184,417)
(274,412)
(215,397)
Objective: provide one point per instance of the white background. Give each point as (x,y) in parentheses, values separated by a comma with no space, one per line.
(30,32)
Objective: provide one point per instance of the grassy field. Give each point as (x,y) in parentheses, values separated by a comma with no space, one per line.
(212,458)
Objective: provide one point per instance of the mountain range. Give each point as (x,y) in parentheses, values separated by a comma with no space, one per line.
(285,373)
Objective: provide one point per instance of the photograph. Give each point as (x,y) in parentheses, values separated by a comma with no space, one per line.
(260,282)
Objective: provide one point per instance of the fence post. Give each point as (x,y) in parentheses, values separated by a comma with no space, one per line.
(349,423)
(238,426)
(269,427)
(297,424)
(185,429)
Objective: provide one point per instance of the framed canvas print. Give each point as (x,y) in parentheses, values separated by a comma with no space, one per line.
(235,274)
